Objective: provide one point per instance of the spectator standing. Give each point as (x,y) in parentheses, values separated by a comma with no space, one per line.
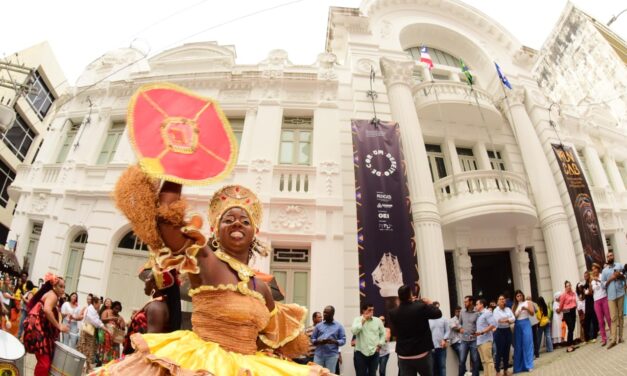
(440,332)
(369,337)
(384,352)
(71,313)
(544,327)
(91,322)
(410,325)
(29,291)
(568,308)
(590,324)
(485,327)
(455,337)
(468,322)
(556,320)
(316,318)
(534,321)
(162,313)
(504,318)
(328,336)
(523,338)
(601,307)
(42,327)
(614,281)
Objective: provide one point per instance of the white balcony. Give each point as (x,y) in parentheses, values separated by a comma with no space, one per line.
(604,199)
(294,181)
(485,198)
(454,101)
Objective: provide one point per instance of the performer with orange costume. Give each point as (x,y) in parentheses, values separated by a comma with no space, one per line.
(238,329)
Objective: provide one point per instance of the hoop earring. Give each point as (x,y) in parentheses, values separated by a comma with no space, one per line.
(215,243)
(152,293)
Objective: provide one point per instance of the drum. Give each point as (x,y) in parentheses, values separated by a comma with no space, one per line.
(66,361)
(11,355)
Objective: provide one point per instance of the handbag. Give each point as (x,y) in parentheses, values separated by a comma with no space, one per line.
(88,329)
(117,335)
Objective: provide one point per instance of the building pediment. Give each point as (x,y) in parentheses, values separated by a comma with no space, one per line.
(203,53)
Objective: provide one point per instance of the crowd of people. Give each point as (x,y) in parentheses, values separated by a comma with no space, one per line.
(482,334)
(43,314)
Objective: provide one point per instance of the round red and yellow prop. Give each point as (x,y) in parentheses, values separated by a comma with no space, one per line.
(180,136)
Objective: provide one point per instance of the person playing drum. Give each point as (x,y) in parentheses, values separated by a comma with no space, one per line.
(42,327)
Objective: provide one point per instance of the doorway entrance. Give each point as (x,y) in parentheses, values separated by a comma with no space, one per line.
(491,274)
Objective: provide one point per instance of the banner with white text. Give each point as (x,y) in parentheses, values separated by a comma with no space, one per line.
(385,232)
(587,221)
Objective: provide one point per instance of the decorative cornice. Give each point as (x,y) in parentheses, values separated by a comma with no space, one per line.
(397,72)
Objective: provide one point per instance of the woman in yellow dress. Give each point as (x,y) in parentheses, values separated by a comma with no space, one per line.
(238,329)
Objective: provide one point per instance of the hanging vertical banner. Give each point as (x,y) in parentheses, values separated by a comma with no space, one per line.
(587,221)
(385,232)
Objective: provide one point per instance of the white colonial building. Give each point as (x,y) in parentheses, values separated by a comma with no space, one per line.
(490,208)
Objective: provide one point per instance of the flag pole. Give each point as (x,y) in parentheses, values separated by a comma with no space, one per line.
(485,124)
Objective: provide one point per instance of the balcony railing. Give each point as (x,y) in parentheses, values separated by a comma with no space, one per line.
(477,195)
(478,182)
(294,180)
(438,92)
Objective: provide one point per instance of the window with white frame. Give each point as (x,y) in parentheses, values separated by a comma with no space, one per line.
(75,261)
(111,143)
(296,141)
(7,175)
(437,166)
(40,97)
(291,268)
(33,244)
(131,241)
(496,160)
(19,137)
(68,140)
(467,159)
(437,56)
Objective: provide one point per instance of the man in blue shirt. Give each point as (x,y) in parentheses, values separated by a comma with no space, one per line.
(328,336)
(485,327)
(440,331)
(614,280)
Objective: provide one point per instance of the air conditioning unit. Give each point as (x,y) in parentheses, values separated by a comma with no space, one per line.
(7,117)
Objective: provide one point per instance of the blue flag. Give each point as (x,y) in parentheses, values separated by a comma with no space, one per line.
(502,76)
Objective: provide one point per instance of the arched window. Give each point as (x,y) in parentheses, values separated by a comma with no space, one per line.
(438,56)
(131,241)
(75,261)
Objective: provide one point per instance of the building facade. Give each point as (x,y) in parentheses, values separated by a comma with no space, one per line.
(31,82)
(490,208)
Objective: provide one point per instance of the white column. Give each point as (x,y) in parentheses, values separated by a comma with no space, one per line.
(613,173)
(429,243)
(449,144)
(481,153)
(520,269)
(267,133)
(247,136)
(553,220)
(463,273)
(595,167)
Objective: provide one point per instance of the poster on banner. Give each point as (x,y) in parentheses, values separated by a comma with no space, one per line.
(385,232)
(583,206)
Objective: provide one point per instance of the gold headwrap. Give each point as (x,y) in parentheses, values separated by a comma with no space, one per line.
(234,196)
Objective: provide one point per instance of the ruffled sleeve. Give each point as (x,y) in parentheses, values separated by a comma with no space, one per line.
(285,330)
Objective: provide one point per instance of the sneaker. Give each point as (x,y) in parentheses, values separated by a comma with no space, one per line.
(593,341)
(603,343)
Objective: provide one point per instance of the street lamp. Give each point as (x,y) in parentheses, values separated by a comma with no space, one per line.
(611,21)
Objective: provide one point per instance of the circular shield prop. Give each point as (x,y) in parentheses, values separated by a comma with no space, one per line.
(180,136)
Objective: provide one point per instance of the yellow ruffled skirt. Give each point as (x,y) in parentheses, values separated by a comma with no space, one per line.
(183,353)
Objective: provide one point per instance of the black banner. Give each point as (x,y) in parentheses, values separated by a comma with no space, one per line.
(587,221)
(385,232)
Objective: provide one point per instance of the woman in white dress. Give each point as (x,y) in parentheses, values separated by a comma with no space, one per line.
(556,321)
(71,313)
